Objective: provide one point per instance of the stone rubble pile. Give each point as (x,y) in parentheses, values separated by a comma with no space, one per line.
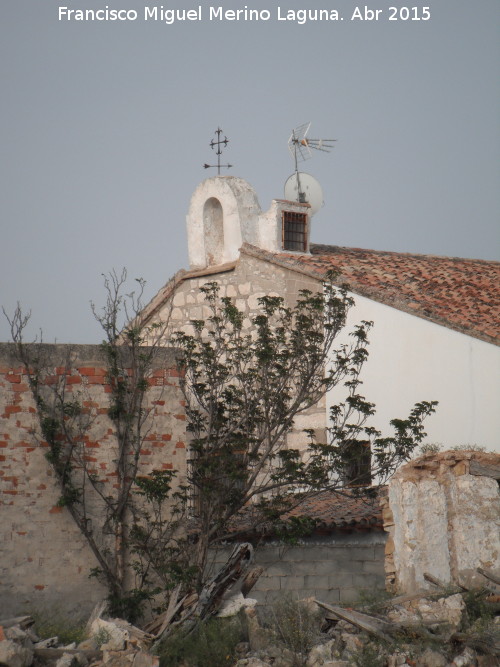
(417,631)
(110,643)
(420,630)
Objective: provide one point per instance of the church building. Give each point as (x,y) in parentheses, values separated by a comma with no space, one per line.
(436,333)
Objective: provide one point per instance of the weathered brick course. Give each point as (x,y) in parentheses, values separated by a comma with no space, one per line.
(44,559)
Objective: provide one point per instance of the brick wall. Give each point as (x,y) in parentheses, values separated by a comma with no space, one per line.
(44,560)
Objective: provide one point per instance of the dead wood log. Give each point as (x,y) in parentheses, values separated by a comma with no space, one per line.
(250,580)
(440,584)
(434,580)
(22,621)
(173,607)
(382,628)
(489,575)
(189,600)
(56,653)
(192,609)
(485,643)
(212,594)
(412,629)
(158,624)
(185,622)
(185,605)
(370,624)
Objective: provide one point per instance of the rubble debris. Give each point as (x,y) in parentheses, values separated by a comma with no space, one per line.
(97,612)
(446,610)
(443,628)
(72,660)
(232,605)
(13,654)
(423,631)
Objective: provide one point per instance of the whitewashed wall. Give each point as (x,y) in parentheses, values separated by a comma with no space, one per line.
(412,360)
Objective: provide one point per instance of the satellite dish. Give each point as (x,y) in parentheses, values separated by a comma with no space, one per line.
(303,187)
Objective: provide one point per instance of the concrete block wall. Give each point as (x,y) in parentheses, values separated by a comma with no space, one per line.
(44,560)
(331,573)
(334,569)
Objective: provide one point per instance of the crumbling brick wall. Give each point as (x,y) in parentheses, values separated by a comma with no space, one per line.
(443,518)
(44,560)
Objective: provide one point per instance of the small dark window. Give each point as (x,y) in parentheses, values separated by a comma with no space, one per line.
(214,471)
(357,463)
(294,231)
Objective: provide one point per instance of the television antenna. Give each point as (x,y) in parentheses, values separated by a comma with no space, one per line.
(300,145)
(218,143)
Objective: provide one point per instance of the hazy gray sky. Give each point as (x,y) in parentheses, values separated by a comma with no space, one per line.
(105,127)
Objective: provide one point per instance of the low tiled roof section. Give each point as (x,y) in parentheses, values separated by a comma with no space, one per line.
(341,510)
(332,510)
(462,294)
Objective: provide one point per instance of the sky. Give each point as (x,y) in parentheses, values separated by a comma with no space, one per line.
(105,127)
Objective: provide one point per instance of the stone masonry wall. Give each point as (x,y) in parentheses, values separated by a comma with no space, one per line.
(245,281)
(44,560)
(443,518)
(333,569)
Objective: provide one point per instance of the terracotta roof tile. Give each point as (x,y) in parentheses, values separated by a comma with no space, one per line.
(335,510)
(332,510)
(462,294)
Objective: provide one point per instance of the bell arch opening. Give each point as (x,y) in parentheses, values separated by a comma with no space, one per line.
(213,231)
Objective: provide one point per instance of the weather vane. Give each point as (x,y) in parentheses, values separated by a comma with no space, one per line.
(219,143)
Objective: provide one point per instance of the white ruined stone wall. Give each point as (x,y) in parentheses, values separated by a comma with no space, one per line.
(442,519)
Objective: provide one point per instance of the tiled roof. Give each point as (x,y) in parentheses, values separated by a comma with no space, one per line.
(331,510)
(462,294)
(340,510)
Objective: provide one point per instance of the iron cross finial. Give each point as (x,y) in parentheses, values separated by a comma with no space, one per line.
(219,143)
